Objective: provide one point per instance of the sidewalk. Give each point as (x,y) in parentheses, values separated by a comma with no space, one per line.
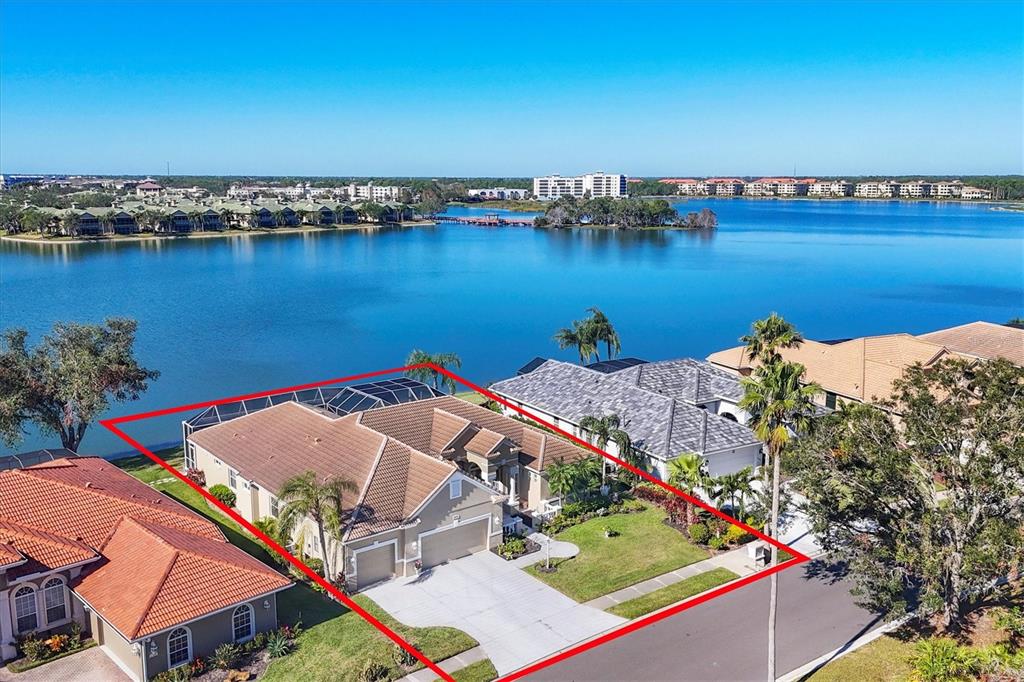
(735,560)
(449,665)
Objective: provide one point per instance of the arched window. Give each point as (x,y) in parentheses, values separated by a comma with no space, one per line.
(242,623)
(729,416)
(55,600)
(179,647)
(26,615)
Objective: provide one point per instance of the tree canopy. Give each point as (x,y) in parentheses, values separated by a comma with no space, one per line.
(624,213)
(68,380)
(928,503)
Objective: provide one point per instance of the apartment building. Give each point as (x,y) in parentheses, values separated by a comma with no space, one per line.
(947,190)
(725,187)
(830,188)
(886,189)
(597,184)
(372,192)
(500,193)
(778,187)
(975,193)
(916,189)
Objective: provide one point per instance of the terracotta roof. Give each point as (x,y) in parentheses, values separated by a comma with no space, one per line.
(9,554)
(156,577)
(862,368)
(982,340)
(159,563)
(733,181)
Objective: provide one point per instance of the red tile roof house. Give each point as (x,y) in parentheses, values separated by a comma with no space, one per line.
(154,583)
(437,479)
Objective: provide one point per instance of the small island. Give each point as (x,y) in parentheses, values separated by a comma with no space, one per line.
(625,213)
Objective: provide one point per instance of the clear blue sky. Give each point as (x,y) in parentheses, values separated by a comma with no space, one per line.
(479,88)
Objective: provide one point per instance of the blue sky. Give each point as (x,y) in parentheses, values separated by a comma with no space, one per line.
(479,88)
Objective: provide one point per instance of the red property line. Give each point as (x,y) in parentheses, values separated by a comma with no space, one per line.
(112,425)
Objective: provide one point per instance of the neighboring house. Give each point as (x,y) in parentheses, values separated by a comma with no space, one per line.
(436,478)
(154,583)
(667,408)
(982,340)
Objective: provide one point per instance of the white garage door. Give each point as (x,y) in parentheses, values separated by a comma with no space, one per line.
(729,462)
(452,543)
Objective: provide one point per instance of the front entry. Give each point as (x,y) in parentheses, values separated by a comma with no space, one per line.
(454,542)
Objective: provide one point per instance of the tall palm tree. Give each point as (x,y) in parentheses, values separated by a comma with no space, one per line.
(579,336)
(588,472)
(561,478)
(729,486)
(321,501)
(280,218)
(778,403)
(430,375)
(70,222)
(687,472)
(768,336)
(603,330)
(603,430)
(226,218)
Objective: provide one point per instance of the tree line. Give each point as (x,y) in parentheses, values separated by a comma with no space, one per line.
(627,213)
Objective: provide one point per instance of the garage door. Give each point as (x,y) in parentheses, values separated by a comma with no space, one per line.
(729,462)
(459,541)
(374,565)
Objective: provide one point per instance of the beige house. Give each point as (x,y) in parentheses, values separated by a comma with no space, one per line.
(436,479)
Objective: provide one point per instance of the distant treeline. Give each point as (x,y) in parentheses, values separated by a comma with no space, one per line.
(629,213)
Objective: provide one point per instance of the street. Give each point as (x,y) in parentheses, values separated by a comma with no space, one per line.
(726,638)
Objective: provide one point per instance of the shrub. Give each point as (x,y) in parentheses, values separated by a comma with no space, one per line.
(512,547)
(734,535)
(404,658)
(374,672)
(34,648)
(260,640)
(1009,620)
(75,636)
(226,656)
(700,533)
(197,667)
(224,494)
(716,543)
(278,645)
(197,476)
(179,674)
(610,532)
(943,660)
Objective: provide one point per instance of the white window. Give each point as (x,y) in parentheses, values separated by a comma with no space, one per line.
(274,510)
(190,457)
(232,480)
(455,488)
(54,601)
(25,614)
(242,623)
(179,647)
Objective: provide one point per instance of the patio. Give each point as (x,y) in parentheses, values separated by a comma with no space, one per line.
(91,665)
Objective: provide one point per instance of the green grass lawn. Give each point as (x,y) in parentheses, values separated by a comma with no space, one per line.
(634,608)
(472,397)
(886,659)
(644,548)
(336,643)
(481,671)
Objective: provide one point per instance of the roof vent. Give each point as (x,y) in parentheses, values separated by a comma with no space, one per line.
(88,484)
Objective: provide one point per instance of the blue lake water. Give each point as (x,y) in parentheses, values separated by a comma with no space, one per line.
(226,316)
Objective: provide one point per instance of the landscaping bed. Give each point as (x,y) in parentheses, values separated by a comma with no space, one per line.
(515,546)
(676,592)
(641,547)
(37,651)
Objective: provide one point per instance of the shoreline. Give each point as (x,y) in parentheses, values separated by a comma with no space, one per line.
(136,238)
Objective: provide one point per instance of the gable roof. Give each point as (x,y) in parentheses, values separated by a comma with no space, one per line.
(985,340)
(862,368)
(661,425)
(154,563)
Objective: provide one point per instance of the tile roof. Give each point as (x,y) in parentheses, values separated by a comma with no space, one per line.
(158,562)
(862,368)
(689,380)
(661,425)
(983,340)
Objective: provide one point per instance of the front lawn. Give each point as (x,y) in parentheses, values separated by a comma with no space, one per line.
(644,547)
(684,589)
(886,659)
(481,671)
(335,643)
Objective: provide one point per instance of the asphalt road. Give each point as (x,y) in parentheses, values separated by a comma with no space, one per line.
(726,638)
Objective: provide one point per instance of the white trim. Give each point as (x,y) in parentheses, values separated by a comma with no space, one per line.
(167,646)
(454,488)
(119,663)
(65,592)
(252,623)
(30,577)
(452,526)
(34,589)
(376,545)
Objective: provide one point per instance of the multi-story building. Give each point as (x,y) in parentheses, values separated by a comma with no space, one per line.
(916,189)
(148,189)
(725,187)
(947,189)
(372,192)
(690,187)
(885,189)
(830,188)
(975,193)
(777,187)
(500,193)
(598,184)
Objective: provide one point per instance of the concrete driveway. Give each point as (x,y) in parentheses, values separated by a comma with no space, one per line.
(516,618)
(91,665)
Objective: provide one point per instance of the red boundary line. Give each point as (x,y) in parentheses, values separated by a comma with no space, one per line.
(112,425)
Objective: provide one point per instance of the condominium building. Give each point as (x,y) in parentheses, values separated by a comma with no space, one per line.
(975,193)
(690,187)
(917,188)
(598,184)
(830,188)
(886,189)
(725,187)
(777,187)
(947,189)
(372,192)
(500,193)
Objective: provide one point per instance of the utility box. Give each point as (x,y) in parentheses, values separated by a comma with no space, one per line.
(759,553)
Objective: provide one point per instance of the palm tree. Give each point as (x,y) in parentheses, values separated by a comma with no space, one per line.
(588,472)
(768,336)
(254,217)
(432,375)
(777,402)
(280,218)
(561,478)
(305,497)
(603,330)
(601,431)
(580,337)
(687,473)
(226,218)
(70,222)
(728,486)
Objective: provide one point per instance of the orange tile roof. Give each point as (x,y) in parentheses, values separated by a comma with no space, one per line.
(982,340)
(42,551)
(862,368)
(69,510)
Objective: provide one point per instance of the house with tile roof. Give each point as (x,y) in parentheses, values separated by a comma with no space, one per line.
(668,408)
(436,479)
(153,582)
(982,340)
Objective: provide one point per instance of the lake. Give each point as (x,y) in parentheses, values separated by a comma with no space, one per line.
(226,316)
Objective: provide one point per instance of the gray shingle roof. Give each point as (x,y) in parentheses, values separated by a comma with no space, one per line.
(689,380)
(658,424)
